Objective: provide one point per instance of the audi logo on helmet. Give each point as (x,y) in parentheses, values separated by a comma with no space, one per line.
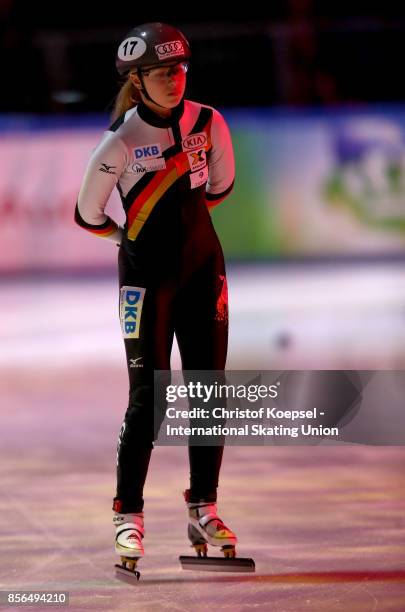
(170,49)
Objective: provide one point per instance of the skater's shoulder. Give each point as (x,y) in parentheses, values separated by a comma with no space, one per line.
(206,110)
(202,114)
(197,106)
(115,137)
(120,123)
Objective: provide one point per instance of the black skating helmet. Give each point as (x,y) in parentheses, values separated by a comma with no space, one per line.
(150,44)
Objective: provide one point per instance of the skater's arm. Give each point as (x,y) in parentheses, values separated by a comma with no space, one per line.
(221,169)
(103,171)
(214,200)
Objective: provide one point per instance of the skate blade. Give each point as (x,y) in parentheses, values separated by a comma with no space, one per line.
(126,575)
(217,564)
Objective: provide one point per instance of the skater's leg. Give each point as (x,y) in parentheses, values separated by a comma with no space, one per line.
(202,335)
(205,465)
(145,314)
(132,469)
(201,318)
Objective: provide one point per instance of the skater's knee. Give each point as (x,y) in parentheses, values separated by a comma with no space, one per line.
(144,415)
(141,395)
(139,414)
(140,403)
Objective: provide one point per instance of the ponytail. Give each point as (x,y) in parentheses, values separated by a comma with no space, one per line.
(127,97)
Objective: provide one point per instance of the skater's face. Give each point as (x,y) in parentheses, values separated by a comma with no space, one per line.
(165,84)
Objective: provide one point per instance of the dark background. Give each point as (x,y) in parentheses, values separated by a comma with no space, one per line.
(59,58)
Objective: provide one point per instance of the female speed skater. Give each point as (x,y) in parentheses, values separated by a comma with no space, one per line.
(172,161)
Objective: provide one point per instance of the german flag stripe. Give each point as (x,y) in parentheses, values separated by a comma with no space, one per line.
(104,230)
(143,204)
(161,182)
(204,120)
(134,192)
(137,189)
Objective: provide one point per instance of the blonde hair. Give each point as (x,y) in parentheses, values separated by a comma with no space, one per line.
(127,97)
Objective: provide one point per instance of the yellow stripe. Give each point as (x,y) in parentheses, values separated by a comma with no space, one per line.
(147,208)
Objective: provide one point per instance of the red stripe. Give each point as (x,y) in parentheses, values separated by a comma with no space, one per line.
(180,160)
(107,230)
(150,188)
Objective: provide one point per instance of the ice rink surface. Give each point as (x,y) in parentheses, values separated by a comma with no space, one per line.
(325,525)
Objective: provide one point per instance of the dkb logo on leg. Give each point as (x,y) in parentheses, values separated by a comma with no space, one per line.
(131,301)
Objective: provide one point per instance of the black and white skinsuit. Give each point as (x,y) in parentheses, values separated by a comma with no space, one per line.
(169,173)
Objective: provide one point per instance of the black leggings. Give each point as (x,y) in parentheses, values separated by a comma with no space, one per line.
(195,308)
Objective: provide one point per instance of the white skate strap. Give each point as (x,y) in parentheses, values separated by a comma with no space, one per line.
(129,527)
(132,517)
(207,518)
(199,505)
